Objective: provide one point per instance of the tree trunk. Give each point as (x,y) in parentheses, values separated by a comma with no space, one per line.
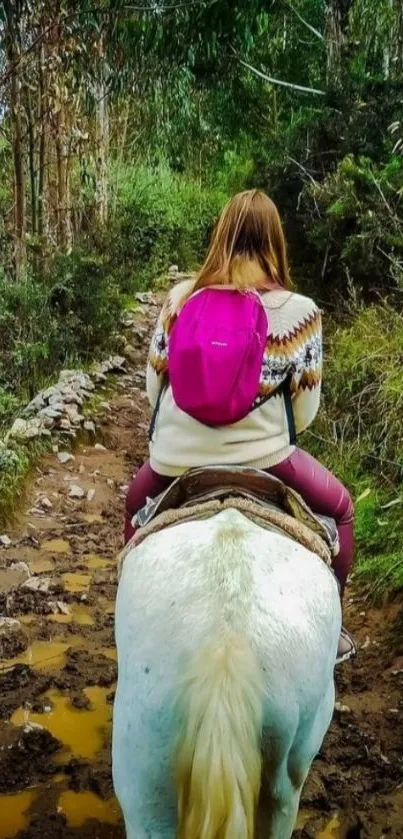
(337,17)
(43,146)
(61,181)
(102,146)
(397,39)
(31,159)
(12,45)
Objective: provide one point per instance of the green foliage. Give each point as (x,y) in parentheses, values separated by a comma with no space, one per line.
(15,464)
(162,218)
(45,322)
(355,223)
(360,427)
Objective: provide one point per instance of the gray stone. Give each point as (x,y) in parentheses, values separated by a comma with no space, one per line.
(100,448)
(70,395)
(45,502)
(56,404)
(144,297)
(39,584)
(89,426)
(118,362)
(19,428)
(5,541)
(76,491)
(13,638)
(35,404)
(65,424)
(65,457)
(90,494)
(49,392)
(48,422)
(51,412)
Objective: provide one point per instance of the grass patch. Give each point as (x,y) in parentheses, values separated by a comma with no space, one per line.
(16,463)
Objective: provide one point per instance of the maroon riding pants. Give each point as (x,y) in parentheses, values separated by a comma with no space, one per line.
(320,489)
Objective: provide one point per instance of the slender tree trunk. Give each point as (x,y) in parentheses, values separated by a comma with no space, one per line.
(397,39)
(31,159)
(12,42)
(102,141)
(43,146)
(123,139)
(337,16)
(61,180)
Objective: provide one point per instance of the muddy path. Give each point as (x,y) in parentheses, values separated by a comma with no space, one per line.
(58,665)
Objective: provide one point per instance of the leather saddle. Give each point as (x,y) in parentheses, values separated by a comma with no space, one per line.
(221,482)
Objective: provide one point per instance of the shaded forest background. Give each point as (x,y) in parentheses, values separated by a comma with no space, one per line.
(124,128)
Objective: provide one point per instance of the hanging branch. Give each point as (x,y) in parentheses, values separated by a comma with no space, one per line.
(280,82)
(305,22)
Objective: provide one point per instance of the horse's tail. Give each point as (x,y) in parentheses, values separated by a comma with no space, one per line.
(218,754)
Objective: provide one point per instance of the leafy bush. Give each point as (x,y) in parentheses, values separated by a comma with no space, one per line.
(360,427)
(353,221)
(161,218)
(45,322)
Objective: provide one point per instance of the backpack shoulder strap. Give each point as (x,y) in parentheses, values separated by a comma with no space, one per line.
(286,391)
(157,406)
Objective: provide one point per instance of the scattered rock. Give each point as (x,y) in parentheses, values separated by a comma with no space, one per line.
(51,412)
(100,448)
(89,425)
(45,502)
(5,541)
(144,297)
(131,353)
(63,608)
(342,709)
(40,584)
(90,494)
(65,457)
(13,638)
(65,425)
(76,491)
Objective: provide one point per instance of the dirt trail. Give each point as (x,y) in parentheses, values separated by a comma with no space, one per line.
(56,696)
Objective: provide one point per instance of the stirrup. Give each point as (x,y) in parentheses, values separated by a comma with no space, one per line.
(349,653)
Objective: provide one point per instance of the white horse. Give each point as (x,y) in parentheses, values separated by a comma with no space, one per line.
(227,636)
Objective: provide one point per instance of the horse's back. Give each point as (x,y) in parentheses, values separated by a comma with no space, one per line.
(196,582)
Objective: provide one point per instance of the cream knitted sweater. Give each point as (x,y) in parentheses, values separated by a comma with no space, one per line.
(260,440)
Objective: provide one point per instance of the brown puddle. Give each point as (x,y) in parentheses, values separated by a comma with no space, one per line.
(45,655)
(109,652)
(13,809)
(96,562)
(332,829)
(93,518)
(80,806)
(78,614)
(76,583)
(82,731)
(56,546)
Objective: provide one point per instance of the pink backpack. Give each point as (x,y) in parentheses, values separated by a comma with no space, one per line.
(215,354)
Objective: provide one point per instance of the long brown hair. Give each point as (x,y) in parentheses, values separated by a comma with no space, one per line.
(248,248)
